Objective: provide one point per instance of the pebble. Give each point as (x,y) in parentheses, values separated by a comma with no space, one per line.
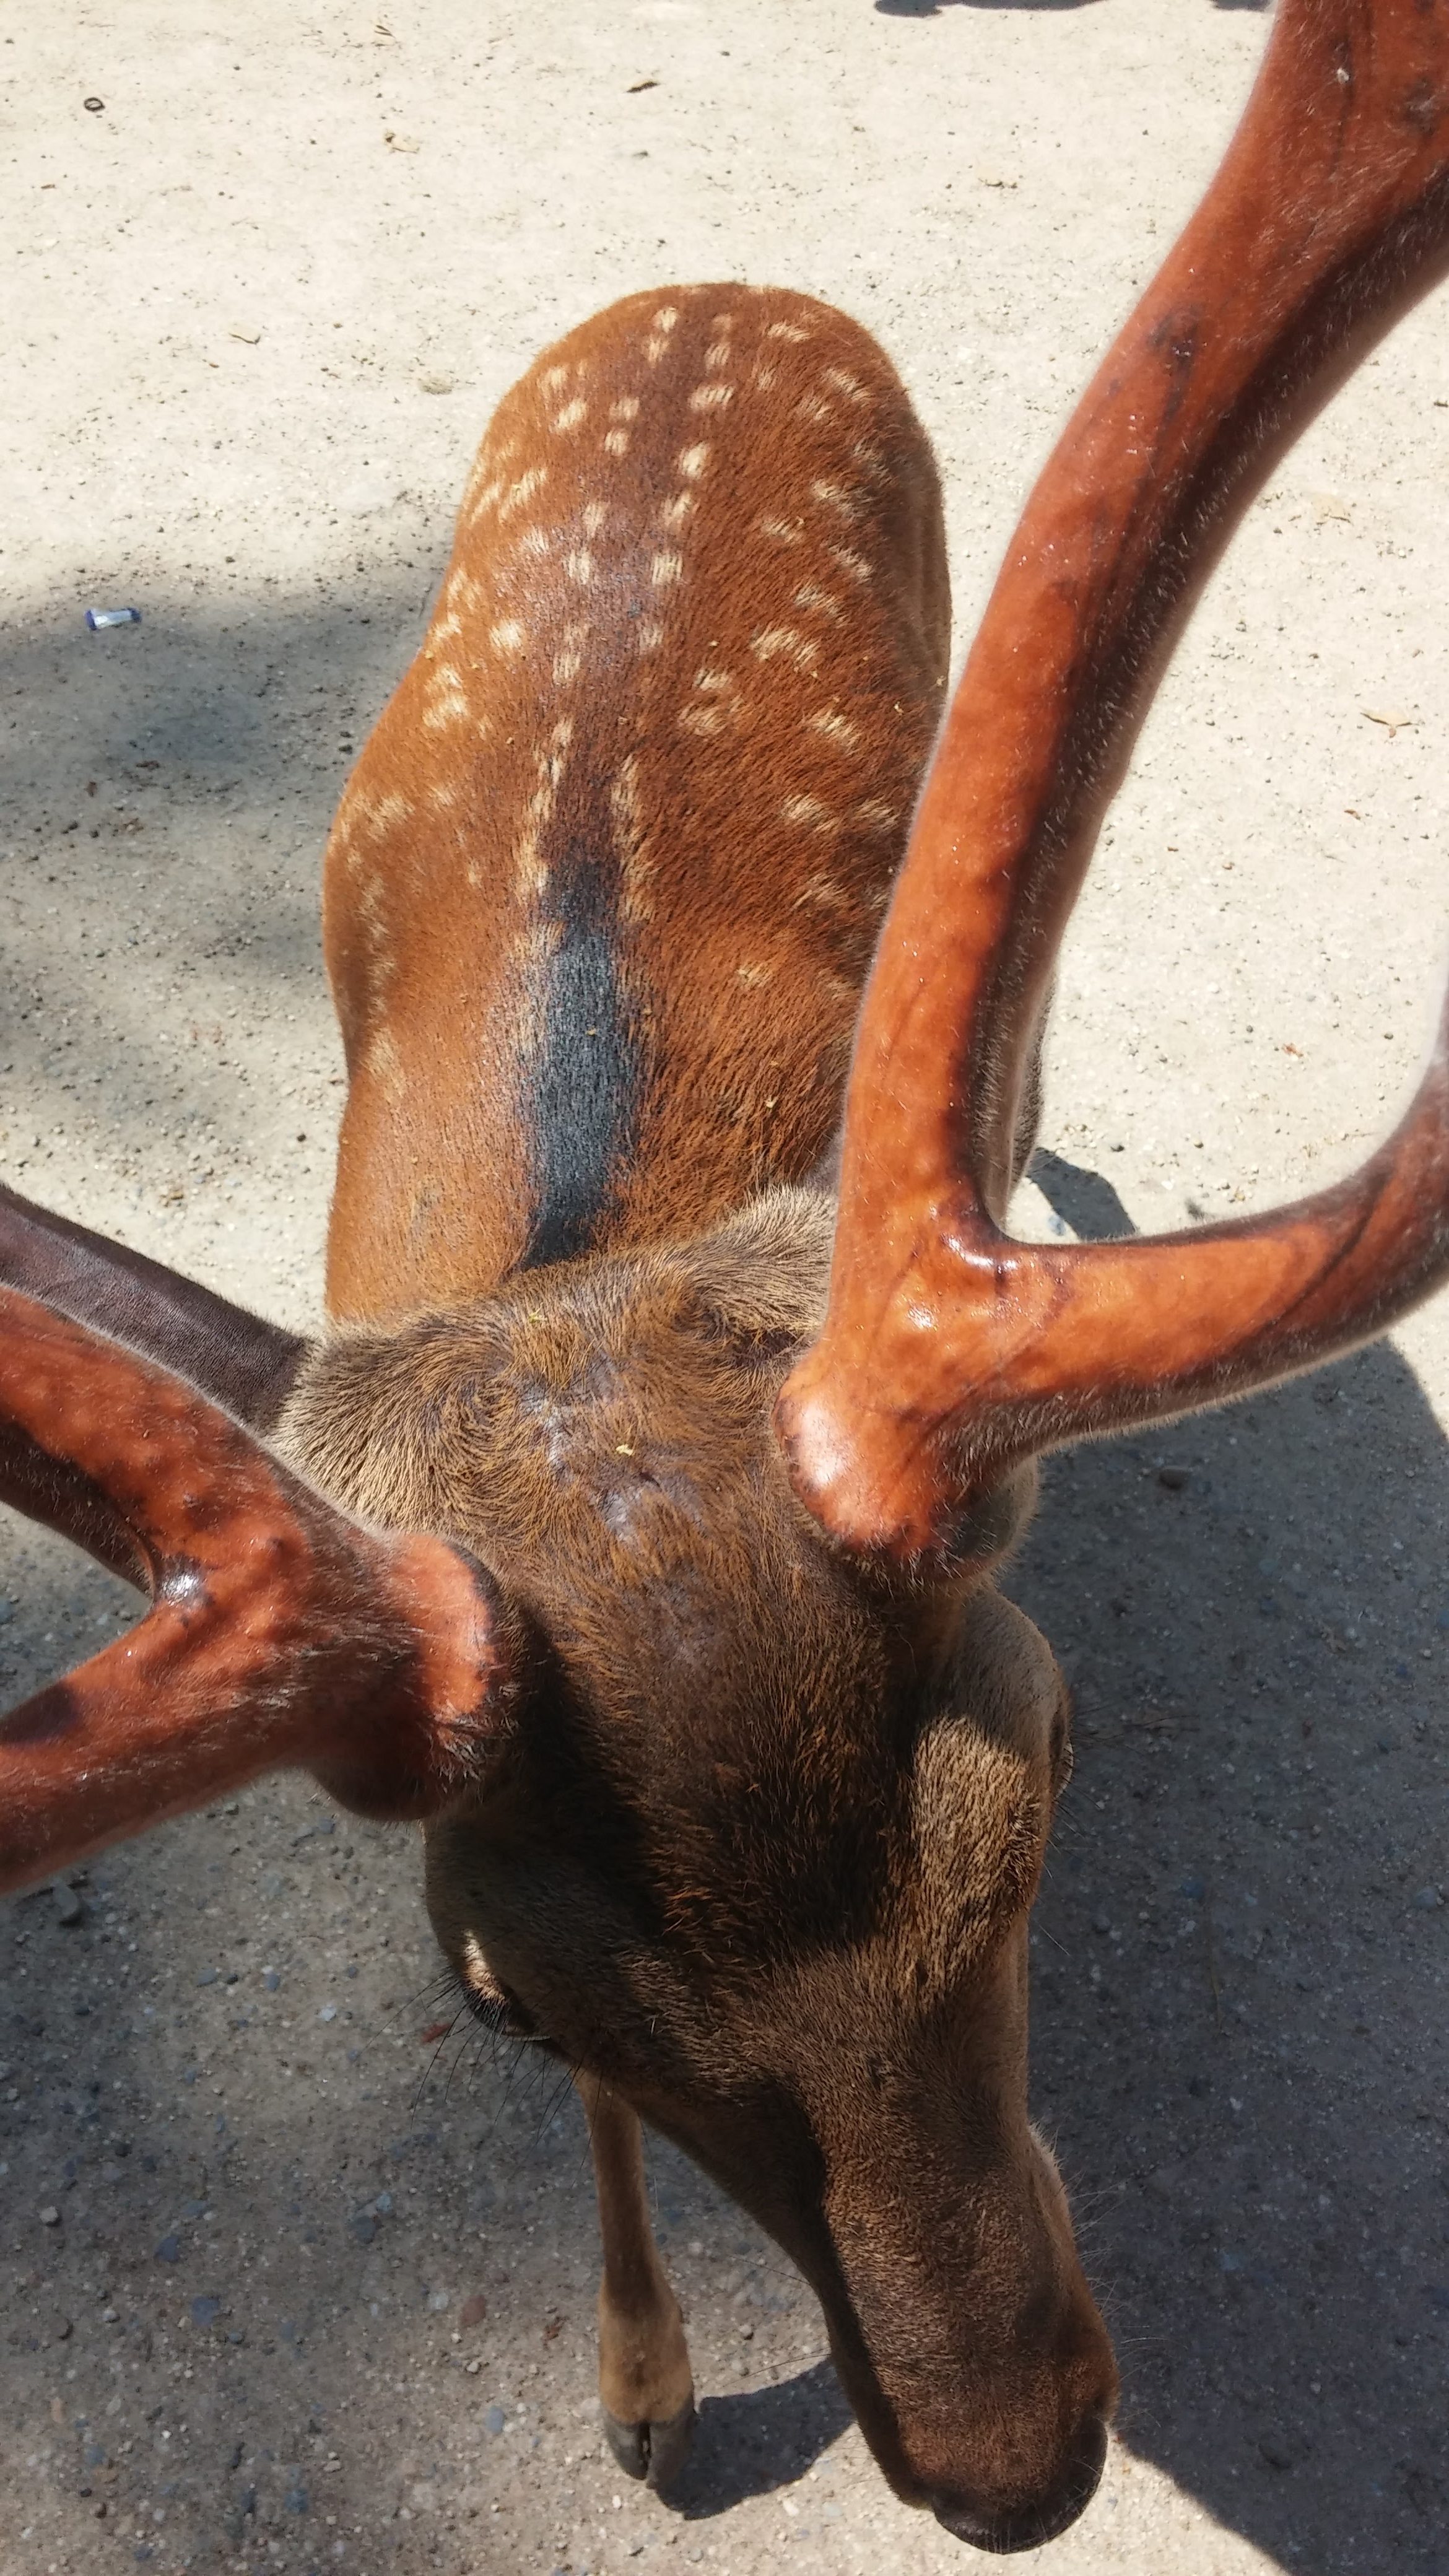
(1276,2448)
(328,2013)
(363,2226)
(473,2310)
(296,2500)
(169,2250)
(205,2311)
(68,1907)
(50,2215)
(493,2421)
(1427,1899)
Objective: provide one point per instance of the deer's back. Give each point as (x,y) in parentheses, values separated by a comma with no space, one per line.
(604,886)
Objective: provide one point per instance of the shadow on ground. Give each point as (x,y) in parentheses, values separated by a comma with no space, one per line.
(168,793)
(1240,1950)
(758,2440)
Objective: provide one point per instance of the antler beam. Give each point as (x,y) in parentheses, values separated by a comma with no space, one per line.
(281,1632)
(949,1351)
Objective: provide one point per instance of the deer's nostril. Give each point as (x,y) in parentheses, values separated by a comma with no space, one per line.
(1030,2526)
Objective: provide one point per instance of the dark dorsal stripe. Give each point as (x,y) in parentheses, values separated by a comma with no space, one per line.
(584,1091)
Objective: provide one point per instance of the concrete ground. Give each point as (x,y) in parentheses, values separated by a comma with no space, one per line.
(258,2228)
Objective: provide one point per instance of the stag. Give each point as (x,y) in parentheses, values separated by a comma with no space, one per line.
(634,1524)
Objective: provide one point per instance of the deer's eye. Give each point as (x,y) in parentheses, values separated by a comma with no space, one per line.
(499,2013)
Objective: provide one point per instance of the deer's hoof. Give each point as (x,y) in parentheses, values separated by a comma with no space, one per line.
(654,2451)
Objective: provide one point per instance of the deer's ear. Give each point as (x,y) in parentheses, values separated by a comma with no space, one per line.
(235,1357)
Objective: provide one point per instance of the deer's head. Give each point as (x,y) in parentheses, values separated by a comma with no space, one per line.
(763,1842)
(658,1582)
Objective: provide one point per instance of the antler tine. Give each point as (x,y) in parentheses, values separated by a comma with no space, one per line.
(281,1632)
(949,1351)
(238,1359)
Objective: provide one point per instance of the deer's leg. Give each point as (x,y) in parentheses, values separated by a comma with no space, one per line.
(646,2390)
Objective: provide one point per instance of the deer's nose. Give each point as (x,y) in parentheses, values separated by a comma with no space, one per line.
(1030,2526)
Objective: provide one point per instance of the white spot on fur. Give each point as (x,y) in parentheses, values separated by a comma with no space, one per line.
(717,355)
(636,868)
(446,699)
(554,379)
(530,876)
(617,443)
(443,714)
(386,814)
(702,719)
(845,383)
(626,408)
(813,407)
(786,532)
(594,516)
(786,641)
(824,893)
(785,331)
(570,417)
(385,1064)
(874,815)
(693,460)
(849,561)
(566,667)
(666,568)
(536,542)
(508,636)
(830,721)
(834,496)
(763,378)
(666,318)
(822,602)
(755,974)
(523,491)
(649,635)
(708,679)
(674,512)
(580,567)
(808,810)
(556,755)
(711,397)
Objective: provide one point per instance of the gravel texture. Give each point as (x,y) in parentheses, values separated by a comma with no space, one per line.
(292,2278)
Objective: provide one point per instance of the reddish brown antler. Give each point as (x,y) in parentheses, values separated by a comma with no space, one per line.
(949,1351)
(281,1633)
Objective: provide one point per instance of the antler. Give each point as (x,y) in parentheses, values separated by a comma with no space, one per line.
(281,1631)
(236,1357)
(949,1351)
